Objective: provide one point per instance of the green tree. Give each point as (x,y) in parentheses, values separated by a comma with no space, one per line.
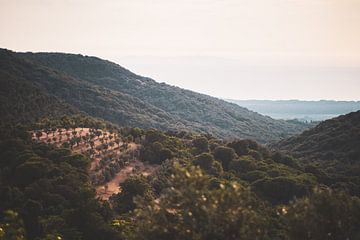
(225,155)
(207,163)
(132,187)
(201,145)
(323,215)
(282,189)
(191,209)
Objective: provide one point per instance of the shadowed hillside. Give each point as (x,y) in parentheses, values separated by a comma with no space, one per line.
(22,99)
(334,146)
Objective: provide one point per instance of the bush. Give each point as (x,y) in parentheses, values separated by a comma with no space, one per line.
(193,208)
(224,155)
(135,186)
(204,161)
(28,172)
(207,163)
(243,164)
(324,215)
(281,190)
(201,145)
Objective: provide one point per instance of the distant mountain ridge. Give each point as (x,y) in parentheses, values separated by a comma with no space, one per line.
(106,90)
(298,109)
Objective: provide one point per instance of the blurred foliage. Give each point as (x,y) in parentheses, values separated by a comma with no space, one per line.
(193,209)
(325,214)
(11,226)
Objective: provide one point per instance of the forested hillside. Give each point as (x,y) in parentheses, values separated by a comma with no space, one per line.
(202,188)
(22,100)
(334,147)
(106,90)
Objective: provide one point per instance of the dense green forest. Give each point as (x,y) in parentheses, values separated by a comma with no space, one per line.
(99,88)
(333,147)
(203,188)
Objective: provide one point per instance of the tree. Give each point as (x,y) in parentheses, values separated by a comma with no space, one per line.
(72,142)
(98,133)
(325,214)
(92,144)
(204,161)
(132,187)
(225,155)
(191,209)
(207,163)
(74,132)
(117,141)
(77,140)
(201,145)
(38,135)
(53,130)
(47,131)
(67,135)
(136,132)
(30,171)
(60,131)
(282,189)
(154,136)
(241,147)
(243,164)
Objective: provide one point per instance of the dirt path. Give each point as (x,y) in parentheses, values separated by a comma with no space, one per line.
(120,177)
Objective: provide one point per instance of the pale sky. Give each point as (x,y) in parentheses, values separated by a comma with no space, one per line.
(240,49)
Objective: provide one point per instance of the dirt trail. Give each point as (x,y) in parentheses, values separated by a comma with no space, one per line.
(120,177)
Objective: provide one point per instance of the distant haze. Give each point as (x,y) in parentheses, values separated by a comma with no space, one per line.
(300,110)
(252,78)
(239,49)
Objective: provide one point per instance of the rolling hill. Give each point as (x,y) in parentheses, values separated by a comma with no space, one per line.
(334,147)
(337,138)
(99,88)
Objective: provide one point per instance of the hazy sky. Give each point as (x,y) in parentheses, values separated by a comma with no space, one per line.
(257,49)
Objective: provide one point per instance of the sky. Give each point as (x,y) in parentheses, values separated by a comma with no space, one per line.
(239,49)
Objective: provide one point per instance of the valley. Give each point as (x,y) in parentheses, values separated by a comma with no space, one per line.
(91,151)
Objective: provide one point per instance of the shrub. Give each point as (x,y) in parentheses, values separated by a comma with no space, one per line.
(225,155)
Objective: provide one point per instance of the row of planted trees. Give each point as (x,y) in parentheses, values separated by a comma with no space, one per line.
(106,145)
